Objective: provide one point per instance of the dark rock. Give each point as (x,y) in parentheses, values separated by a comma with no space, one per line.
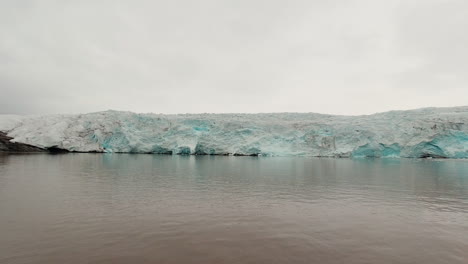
(57,150)
(7,146)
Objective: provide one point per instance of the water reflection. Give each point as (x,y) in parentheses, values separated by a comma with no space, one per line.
(98,208)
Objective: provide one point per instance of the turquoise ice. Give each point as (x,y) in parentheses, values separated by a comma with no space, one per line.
(422,133)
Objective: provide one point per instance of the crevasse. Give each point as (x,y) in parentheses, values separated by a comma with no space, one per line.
(429,132)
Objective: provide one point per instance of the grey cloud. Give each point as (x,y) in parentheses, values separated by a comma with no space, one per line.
(434,35)
(340,57)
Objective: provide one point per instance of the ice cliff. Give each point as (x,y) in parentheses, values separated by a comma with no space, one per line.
(429,132)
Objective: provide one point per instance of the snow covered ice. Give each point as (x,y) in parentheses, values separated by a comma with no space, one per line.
(428,132)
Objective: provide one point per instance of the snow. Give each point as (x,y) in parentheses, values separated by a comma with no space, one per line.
(8,122)
(428,132)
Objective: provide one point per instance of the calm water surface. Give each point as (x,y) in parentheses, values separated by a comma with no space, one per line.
(94,208)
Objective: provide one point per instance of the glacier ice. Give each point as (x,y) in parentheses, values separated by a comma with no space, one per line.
(428,132)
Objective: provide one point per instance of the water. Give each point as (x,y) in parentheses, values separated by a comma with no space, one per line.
(95,208)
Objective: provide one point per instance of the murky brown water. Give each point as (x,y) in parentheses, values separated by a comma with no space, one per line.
(94,208)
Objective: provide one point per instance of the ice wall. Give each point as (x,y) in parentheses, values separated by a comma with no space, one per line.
(429,132)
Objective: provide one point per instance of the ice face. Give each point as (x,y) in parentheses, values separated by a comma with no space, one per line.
(429,132)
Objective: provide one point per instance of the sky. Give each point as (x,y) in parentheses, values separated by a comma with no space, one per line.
(217,56)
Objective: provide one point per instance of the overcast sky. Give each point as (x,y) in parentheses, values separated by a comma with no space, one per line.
(186,56)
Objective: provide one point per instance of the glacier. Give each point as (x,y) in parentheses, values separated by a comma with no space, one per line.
(421,133)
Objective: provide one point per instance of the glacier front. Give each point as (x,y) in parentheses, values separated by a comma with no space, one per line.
(428,132)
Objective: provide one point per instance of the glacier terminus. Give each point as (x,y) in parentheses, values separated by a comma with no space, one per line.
(421,133)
